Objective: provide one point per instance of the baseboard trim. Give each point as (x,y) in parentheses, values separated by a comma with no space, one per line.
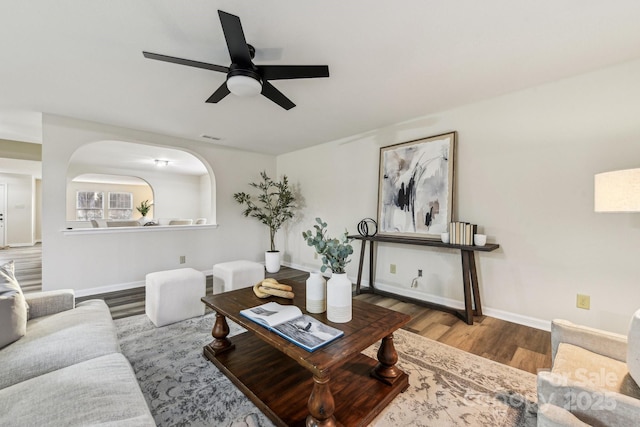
(118,287)
(520,319)
(109,288)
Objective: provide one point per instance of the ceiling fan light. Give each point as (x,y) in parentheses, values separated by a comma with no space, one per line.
(244,86)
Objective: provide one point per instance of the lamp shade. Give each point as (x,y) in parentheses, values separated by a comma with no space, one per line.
(617,191)
(244,86)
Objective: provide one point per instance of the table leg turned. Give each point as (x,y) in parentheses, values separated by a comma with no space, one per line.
(386,370)
(321,404)
(220,342)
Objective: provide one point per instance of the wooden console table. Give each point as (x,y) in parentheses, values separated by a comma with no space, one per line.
(472,304)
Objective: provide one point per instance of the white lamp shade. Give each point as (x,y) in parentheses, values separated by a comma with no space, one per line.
(244,86)
(617,191)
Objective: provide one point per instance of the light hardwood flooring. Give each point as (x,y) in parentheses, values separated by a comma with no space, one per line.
(508,343)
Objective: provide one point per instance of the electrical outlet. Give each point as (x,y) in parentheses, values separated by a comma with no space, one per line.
(392,269)
(419,273)
(583,301)
(183,259)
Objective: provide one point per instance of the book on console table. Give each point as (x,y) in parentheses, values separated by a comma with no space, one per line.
(289,322)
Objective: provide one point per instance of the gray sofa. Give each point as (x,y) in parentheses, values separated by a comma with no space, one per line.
(67,370)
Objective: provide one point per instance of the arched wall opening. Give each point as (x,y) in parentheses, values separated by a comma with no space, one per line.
(178,184)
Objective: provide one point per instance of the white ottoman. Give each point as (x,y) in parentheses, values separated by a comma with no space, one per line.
(228,276)
(174,295)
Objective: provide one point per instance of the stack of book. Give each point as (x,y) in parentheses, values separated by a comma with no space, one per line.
(461,233)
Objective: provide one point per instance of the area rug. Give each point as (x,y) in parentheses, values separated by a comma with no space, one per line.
(448,387)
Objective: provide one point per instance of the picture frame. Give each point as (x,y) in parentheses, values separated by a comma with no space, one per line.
(416,187)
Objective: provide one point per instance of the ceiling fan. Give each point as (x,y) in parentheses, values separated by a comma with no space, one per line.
(244,78)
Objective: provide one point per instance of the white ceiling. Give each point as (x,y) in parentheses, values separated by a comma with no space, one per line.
(389,61)
(105,155)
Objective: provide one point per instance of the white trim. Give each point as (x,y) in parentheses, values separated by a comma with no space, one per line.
(520,319)
(108,288)
(141,229)
(119,287)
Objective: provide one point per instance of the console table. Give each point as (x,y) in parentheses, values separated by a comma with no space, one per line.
(472,304)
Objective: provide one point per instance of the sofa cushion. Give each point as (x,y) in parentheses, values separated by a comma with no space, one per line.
(594,370)
(633,347)
(59,340)
(13,306)
(100,391)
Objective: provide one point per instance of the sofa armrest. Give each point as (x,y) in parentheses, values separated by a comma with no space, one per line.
(553,416)
(50,302)
(594,406)
(595,340)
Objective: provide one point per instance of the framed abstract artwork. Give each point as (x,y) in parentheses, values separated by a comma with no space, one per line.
(415,189)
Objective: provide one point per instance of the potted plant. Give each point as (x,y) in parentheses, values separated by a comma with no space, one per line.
(144,208)
(335,254)
(274,206)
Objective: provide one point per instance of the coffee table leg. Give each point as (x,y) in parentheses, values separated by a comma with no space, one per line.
(220,342)
(386,370)
(321,404)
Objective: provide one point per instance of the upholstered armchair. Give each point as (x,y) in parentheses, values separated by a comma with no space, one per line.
(594,377)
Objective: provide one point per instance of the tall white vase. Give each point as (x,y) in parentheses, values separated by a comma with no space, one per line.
(272,261)
(316,293)
(339,295)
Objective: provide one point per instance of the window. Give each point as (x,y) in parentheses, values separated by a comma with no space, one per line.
(89,205)
(120,205)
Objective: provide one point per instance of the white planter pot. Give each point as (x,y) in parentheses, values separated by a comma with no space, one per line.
(316,293)
(272,261)
(339,295)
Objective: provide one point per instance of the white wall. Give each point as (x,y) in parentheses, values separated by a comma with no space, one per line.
(20,209)
(524,171)
(116,260)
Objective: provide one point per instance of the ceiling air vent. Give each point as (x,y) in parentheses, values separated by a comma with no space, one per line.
(213,138)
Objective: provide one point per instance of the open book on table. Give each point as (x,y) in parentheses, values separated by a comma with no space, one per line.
(289,322)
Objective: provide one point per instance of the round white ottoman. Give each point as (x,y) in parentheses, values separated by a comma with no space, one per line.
(174,295)
(231,275)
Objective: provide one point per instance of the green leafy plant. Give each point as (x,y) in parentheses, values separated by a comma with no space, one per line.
(335,252)
(144,207)
(275,204)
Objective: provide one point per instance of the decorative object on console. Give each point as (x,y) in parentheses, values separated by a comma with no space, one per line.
(479,239)
(415,189)
(335,253)
(144,208)
(316,293)
(364,227)
(444,237)
(462,233)
(617,191)
(276,204)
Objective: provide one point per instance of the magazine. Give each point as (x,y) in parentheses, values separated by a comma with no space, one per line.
(289,322)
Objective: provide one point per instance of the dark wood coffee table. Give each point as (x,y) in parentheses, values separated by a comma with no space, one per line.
(334,385)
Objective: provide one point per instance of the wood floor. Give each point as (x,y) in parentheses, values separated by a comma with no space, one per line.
(508,343)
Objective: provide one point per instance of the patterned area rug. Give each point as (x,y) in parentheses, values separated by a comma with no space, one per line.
(448,387)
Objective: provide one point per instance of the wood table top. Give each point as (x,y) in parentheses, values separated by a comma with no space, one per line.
(370,323)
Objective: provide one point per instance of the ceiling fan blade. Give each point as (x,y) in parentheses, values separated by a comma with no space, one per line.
(220,93)
(188,62)
(282,72)
(236,43)
(276,96)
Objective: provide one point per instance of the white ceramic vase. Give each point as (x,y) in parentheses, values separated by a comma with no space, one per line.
(339,295)
(272,261)
(316,293)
